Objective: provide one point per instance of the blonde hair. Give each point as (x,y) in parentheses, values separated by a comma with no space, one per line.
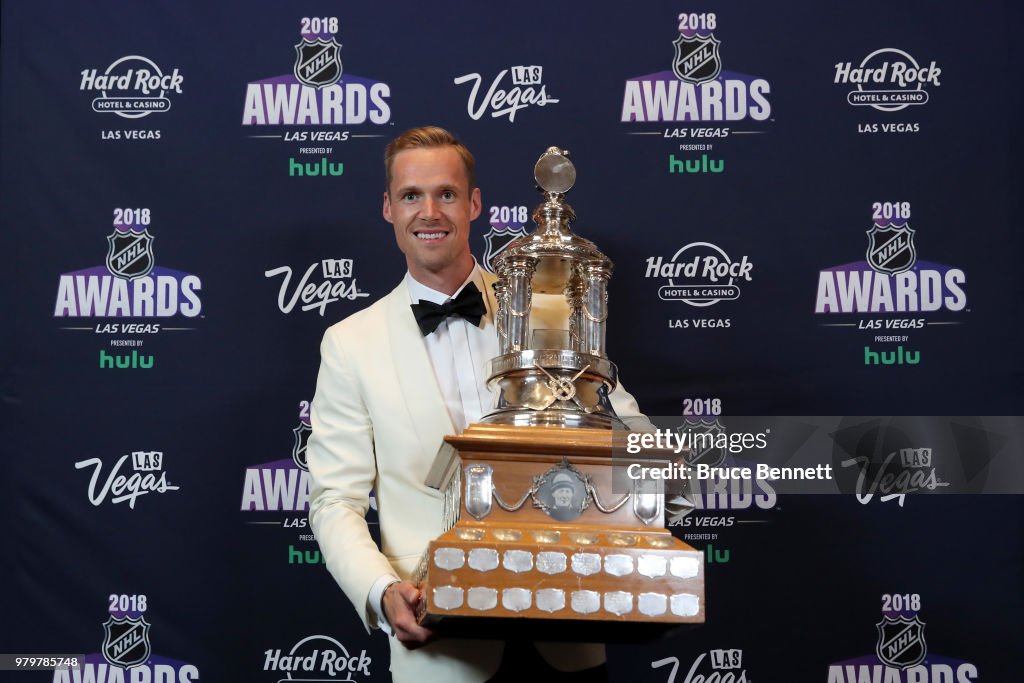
(426,137)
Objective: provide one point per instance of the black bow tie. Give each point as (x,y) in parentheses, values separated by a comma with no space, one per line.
(469,304)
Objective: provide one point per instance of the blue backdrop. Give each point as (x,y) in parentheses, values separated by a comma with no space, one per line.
(813,209)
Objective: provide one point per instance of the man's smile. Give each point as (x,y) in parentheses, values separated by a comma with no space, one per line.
(430,235)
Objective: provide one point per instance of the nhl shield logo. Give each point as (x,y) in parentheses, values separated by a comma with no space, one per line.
(901,642)
(891,248)
(318,62)
(126,641)
(497,240)
(301,433)
(677,507)
(703,437)
(697,59)
(130,254)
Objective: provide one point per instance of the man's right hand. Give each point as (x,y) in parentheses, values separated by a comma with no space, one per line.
(399,602)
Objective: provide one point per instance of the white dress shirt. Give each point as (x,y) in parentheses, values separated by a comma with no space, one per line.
(459,352)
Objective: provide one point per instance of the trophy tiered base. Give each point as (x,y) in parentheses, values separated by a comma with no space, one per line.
(539,532)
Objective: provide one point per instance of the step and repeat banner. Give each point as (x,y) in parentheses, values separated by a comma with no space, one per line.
(813,209)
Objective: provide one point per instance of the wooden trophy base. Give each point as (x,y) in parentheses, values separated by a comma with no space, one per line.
(518,565)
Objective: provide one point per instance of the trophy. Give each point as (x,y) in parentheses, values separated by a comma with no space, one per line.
(539,529)
(558,377)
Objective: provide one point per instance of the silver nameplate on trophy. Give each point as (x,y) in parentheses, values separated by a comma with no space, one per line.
(684,567)
(482,598)
(516,599)
(551,563)
(483,559)
(652,604)
(449,558)
(448,597)
(618,602)
(586,563)
(647,499)
(685,604)
(479,490)
(550,599)
(651,566)
(585,602)
(618,565)
(518,561)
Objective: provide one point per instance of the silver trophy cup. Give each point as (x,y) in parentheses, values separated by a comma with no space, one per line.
(553,376)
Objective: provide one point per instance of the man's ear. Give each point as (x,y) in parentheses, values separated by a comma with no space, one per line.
(475,204)
(387,208)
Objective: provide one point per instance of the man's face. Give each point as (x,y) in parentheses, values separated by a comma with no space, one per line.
(562,496)
(430,204)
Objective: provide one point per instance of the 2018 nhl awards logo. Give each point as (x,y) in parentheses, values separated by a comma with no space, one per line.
(891,280)
(318,62)
(129,295)
(316,92)
(125,654)
(901,641)
(891,248)
(901,652)
(130,253)
(696,89)
(696,59)
(126,641)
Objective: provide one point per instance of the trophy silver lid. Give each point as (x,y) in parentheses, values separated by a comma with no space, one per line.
(552,246)
(554,172)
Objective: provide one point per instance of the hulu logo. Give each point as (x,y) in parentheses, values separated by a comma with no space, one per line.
(702,165)
(125,361)
(320,168)
(304,556)
(714,556)
(897,357)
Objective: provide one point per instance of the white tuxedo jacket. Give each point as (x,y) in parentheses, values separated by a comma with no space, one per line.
(378,419)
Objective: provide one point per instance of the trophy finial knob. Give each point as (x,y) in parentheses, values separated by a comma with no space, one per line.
(554,172)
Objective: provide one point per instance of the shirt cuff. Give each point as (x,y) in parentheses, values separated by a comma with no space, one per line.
(374,602)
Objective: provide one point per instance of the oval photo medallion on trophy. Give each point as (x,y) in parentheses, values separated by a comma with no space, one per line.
(562,492)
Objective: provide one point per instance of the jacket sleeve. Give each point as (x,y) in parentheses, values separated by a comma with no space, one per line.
(626,408)
(343,471)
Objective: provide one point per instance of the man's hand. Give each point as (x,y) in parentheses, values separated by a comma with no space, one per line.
(399,602)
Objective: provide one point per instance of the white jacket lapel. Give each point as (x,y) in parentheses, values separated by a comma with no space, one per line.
(422,395)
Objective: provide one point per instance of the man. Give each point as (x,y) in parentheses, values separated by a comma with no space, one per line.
(387,393)
(562,493)
(566,499)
